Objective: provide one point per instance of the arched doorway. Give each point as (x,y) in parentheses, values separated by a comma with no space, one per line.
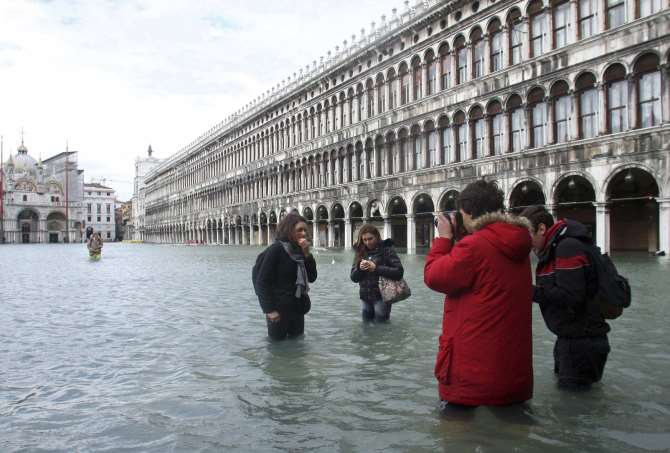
(322,220)
(573,199)
(423,218)
(28,226)
(56,227)
(308,214)
(264,228)
(338,225)
(272,226)
(528,193)
(398,215)
(357,220)
(631,196)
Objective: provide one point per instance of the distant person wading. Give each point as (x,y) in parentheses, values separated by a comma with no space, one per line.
(281,278)
(374,258)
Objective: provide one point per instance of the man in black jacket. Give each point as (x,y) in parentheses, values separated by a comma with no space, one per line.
(566,285)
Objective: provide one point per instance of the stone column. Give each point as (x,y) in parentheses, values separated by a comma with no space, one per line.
(331,234)
(506,43)
(424,81)
(315,232)
(252,236)
(486,54)
(602,16)
(411,235)
(504,140)
(664,224)
(366,167)
(487,135)
(574,118)
(347,233)
(633,102)
(387,228)
(603,227)
(389,93)
(260,233)
(454,67)
(630,11)
(573,37)
(549,102)
(270,238)
(602,108)
(665,94)
(525,48)
(528,113)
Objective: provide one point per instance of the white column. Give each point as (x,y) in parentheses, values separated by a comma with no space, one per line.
(665,94)
(347,233)
(574,24)
(387,228)
(603,227)
(252,237)
(315,233)
(632,102)
(331,234)
(411,235)
(260,233)
(664,224)
(602,108)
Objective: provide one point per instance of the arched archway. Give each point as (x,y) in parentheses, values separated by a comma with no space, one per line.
(322,227)
(526,193)
(28,226)
(357,220)
(573,199)
(633,209)
(337,225)
(56,226)
(448,202)
(423,217)
(397,211)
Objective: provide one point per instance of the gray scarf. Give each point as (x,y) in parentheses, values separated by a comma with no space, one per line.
(301,282)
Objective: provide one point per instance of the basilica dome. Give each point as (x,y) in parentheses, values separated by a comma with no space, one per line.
(22,161)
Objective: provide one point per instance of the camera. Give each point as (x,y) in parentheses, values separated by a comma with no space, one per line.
(455,219)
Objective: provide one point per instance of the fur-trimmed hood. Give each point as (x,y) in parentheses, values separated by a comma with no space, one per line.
(509,233)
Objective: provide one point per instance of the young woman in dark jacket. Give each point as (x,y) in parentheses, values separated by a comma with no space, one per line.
(374,258)
(282,283)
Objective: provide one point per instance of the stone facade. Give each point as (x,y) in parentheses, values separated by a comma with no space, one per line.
(100,202)
(35,196)
(563,103)
(143,165)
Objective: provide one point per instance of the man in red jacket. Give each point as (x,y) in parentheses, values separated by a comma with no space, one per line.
(485,350)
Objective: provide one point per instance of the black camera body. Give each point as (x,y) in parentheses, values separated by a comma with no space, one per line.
(455,219)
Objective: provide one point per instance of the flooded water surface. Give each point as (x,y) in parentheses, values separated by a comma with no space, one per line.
(164,348)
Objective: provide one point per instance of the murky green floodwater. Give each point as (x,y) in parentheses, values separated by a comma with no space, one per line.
(163,348)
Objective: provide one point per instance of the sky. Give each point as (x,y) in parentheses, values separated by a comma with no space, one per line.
(111,77)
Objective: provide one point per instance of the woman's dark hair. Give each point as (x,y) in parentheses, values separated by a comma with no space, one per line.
(287,225)
(537,215)
(360,246)
(481,197)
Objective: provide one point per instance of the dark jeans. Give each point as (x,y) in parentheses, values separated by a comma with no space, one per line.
(289,325)
(579,362)
(378,311)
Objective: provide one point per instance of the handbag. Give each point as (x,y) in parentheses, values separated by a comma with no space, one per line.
(393,290)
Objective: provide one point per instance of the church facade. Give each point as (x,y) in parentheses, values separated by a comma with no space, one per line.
(41,200)
(563,103)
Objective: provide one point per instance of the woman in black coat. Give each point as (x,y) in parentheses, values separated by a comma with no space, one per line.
(283,277)
(374,258)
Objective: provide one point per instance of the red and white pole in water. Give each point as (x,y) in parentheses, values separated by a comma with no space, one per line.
(67,210)
(2,190)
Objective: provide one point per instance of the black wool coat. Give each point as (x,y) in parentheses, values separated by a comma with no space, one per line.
(275,282)
(388,265)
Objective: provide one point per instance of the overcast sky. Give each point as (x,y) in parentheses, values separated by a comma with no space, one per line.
(113,76)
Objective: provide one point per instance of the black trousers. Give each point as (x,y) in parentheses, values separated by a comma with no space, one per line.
(579,362)
(289,325)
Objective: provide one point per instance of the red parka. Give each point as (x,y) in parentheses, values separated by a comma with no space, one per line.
(485,350)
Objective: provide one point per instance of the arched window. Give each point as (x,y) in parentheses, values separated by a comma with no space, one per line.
(461,59)
(495,128)
(393,93)
(401,153)
(326,109)
(616,13)
(495,44)
(381,97)
(561,104)
(312,125)
(477,124)
(561,12)
(404,84)
(517,123)
(417,78)
(343,110)
(445,142)
(587,18)
(445,63)
(319,118)
(538,28)
(617,99)
(417,156)
(359,103)
(350,108)
(370,90)
(649,7)
(432,73)
(538,117)
(649,89)
(588,105)
(517,31)
(431,142)
(478,53)
(461,136)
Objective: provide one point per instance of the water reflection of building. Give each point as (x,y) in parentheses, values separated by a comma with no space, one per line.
(563,103)
(35,196)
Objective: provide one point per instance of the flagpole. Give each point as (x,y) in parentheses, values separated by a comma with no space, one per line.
(2,190)
(67,204)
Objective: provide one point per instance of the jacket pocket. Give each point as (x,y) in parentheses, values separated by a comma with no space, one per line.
(443,362)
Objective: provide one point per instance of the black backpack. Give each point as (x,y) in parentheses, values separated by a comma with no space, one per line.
(256,268)
(613,294)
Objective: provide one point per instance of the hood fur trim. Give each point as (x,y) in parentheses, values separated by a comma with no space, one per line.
(494,217)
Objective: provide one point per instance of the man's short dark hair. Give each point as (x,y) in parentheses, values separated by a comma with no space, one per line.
(538,215)
(481,197)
